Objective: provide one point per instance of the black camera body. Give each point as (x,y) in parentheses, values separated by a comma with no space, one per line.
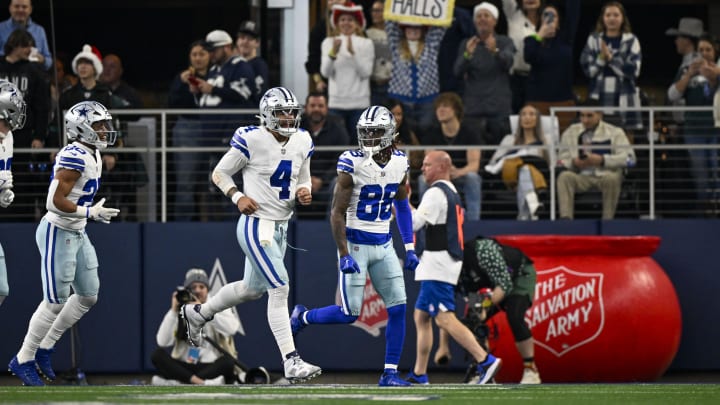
(184,295)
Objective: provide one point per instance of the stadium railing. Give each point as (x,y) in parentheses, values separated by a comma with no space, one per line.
(146,182)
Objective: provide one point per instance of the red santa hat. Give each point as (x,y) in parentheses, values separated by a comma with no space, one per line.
(92,54)
(348,7)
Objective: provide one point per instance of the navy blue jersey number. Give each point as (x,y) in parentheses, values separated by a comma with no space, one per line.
(374,201)
(281,178)
(90,188)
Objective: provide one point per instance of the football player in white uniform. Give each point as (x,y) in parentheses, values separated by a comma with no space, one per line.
(12,117)
(275,163)
(68,256)
(370,181)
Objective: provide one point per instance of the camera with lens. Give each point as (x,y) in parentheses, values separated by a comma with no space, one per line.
(184,295)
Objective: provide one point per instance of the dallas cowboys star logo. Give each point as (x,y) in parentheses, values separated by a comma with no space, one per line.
(83,111)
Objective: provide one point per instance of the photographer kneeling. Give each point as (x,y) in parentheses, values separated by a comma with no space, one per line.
(194,365)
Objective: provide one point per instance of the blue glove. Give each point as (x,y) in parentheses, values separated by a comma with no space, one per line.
(348,265)
(411,261)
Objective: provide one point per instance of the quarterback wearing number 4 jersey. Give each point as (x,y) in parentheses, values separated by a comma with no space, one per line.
(370,181)
(275,163)
(68,256)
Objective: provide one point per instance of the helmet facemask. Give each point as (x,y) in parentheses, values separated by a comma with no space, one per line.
(376,132)
(373,139)
(280,112)
(87,121)
(285,121)
(105,133)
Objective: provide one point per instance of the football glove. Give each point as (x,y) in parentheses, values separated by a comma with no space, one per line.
(101,214)
(6,179)
(6,197)
(411,261)
(348,265)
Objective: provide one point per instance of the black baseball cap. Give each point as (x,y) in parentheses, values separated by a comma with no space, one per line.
(249,28)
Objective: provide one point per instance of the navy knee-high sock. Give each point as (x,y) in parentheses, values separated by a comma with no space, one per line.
(327,315)
(394,335)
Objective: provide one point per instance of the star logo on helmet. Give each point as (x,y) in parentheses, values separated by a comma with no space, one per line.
(83,112)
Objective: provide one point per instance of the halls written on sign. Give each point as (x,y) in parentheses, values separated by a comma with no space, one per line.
(419,8)
(428,12)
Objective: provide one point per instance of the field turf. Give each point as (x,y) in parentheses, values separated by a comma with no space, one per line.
(455,394)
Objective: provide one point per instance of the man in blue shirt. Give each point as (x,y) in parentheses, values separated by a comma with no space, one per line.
(20,11)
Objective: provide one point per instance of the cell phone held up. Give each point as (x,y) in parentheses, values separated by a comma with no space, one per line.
(192,79)
(548,17)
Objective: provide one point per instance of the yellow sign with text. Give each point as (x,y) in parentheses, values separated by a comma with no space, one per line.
(426,12)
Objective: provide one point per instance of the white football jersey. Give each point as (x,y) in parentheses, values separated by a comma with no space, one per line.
(6,151)
(270,169)
(374,189)
(88,162)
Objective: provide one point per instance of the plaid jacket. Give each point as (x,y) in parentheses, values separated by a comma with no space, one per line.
(414,82)
(617,89)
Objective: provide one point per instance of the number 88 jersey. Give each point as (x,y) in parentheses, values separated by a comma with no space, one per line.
(374,189)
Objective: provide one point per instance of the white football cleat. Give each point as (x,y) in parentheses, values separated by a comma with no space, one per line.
(194,322)
(297,370)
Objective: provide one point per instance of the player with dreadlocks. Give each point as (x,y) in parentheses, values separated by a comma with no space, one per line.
(370,181)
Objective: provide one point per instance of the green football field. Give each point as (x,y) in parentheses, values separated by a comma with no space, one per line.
(456,394)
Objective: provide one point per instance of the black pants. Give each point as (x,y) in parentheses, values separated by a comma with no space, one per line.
(174,369)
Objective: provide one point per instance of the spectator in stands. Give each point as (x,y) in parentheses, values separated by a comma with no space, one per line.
(484,60)
(326,130)
(347,62)
(124,95)
(122,174)
(462,27)
(230,84)
(686,40)
(190,167)
(247,44)
(523,161)
(595,154)
(406,132)
(451,130)
(202,365)
(611,61)
(62,82)
(17,69)
(415,79)
(88,67)
(31,171)
(319,32)
(523,19)
(697,86)
(406,136)
(383,59)
(20,11)
(550,52)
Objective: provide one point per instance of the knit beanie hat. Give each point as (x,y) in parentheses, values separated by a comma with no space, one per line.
(92,54)
(196,276)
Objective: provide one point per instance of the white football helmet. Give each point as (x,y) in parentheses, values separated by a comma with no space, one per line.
(12,105)
(280,111)
(86,121)
(376,129)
